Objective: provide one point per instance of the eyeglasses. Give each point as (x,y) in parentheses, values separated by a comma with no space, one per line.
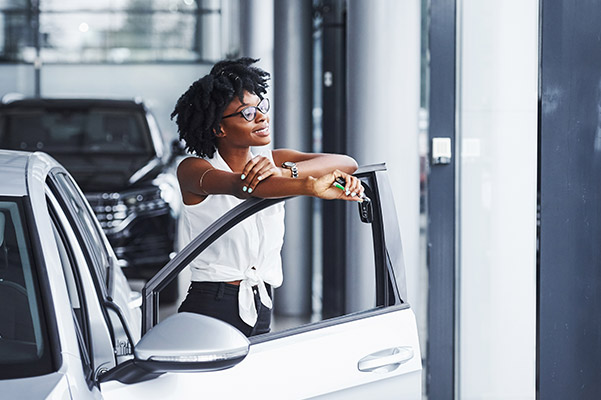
(249,113)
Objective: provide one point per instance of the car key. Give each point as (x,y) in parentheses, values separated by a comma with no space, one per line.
(340,184)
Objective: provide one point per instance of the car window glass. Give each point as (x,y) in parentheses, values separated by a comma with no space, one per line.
(355,291)
(72,290)
(351,292)
(87,226)
(24,348)
(75,129)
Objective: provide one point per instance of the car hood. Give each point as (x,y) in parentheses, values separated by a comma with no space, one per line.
(51,386)
(109,173)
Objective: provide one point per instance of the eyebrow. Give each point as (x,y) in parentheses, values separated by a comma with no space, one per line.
(243,105)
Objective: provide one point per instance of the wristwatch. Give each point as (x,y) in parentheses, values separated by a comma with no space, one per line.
(292,167)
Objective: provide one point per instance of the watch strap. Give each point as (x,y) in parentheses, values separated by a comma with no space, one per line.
(292,167)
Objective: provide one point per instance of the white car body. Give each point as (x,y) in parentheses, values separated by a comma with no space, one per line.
(126,353)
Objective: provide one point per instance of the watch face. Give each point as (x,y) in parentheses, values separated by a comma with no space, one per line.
(289,164)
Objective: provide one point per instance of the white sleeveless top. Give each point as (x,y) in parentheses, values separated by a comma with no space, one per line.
(249,252)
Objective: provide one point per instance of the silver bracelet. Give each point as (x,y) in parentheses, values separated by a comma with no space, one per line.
(201,178)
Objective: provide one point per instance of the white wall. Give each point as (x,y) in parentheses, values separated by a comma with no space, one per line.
(383,107)
(497,83)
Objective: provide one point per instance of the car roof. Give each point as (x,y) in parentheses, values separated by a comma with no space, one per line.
(72,103)
(22,171)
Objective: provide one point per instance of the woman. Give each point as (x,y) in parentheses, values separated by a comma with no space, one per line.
(219,118)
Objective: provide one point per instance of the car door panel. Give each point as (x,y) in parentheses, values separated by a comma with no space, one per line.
(319,362)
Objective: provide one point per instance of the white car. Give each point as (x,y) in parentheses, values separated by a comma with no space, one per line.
(71,328)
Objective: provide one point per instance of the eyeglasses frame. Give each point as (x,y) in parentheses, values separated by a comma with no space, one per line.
(241,112)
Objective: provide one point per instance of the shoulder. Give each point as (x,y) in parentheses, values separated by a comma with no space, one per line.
(193,163)
(192,166)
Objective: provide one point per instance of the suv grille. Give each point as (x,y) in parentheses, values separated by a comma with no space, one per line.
(117,210)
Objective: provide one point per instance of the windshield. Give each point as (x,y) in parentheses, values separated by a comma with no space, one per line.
(24,345)
(70,130)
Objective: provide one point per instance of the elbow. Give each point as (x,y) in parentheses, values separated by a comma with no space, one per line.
(350,165)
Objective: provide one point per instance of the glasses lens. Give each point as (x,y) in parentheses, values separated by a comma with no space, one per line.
(263,105)
(249,113)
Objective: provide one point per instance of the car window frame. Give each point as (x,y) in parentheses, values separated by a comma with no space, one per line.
(388,295)
(100,332)
(84,337)
(101,280)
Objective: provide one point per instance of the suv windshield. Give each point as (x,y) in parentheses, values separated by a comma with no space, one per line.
(24,345)
(76,130)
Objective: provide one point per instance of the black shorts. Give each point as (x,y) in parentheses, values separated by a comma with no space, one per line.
(220,300)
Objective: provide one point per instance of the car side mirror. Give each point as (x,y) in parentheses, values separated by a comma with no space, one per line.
(184,342)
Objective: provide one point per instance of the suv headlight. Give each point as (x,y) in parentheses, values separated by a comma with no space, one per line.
(117,210)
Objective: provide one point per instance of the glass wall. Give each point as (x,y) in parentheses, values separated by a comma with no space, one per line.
(118,31)
(497,114)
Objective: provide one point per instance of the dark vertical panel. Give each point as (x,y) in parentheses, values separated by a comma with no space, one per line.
(441,205)
(334,141)
(569,287)
(37,65)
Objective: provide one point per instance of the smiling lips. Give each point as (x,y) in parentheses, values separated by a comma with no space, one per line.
(263,131)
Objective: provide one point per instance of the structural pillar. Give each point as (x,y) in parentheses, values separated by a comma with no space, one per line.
(293,128)
(382,113)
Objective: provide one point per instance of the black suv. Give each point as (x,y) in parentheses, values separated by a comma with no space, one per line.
(115,152)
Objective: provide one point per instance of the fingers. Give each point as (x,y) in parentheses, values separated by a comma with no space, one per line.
(249,166)
(352,189)
(352,185)
(256,170)
(261,175)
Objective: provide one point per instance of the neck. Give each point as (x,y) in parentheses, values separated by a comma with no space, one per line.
(236,158)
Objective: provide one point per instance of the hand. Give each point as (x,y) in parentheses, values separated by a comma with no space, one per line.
(324,189)
(256,170)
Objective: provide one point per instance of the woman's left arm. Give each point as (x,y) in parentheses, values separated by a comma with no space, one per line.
(313,164)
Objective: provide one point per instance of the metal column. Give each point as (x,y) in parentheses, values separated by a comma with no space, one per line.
(441,205)
(257,25)
(333,84)
(293,128)
(383,86)
(569,270)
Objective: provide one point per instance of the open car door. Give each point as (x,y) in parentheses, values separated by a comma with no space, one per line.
(370,350)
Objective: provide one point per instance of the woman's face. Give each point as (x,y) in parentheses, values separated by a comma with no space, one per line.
(237,131)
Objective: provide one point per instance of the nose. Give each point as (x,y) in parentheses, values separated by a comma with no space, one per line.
(259,116)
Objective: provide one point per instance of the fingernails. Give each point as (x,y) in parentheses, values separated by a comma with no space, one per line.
(348,192)
(242,176)
(259,178)
(250,190)
(244,189)
(353,194)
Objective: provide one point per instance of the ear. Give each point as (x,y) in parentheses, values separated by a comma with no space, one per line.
(220,133)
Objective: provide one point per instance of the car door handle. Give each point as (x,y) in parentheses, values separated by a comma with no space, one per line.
(386,360)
